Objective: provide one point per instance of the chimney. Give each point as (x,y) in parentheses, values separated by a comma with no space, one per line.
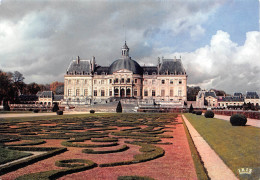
(93,62)
(78,59)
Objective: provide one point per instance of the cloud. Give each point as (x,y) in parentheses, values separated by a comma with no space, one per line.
(39,39)
(225,65)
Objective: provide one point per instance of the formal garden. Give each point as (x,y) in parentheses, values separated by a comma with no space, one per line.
(120,146)
(95,146)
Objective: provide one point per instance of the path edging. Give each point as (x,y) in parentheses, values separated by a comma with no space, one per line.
(216,168)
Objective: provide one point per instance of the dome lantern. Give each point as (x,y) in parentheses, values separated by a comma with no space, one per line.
(125,50)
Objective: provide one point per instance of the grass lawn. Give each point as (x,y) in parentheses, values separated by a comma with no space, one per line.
(237,146)
(7,155)
(14,112)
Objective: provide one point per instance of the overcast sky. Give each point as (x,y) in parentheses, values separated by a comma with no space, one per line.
(218,40)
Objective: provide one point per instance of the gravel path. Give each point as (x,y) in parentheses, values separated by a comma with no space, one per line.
(216,168)
(251,122)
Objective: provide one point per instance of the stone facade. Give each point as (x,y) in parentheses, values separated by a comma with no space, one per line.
(85,82)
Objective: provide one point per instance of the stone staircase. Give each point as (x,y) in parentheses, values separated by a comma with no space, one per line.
(108,107)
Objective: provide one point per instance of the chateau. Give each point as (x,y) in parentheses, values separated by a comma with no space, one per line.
(86,82)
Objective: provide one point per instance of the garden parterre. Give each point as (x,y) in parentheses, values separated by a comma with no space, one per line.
(96,143)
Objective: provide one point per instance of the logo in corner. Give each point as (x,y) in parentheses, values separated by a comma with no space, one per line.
(245,171)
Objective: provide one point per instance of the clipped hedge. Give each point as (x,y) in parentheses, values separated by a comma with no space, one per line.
(209,114)
(59,112)
(34,142)
(36,110)
(54,174)
(71,144)
(105,140)
(91,151)
(20,164)
(238,120)
(149,152)
(198,112)
(134,178)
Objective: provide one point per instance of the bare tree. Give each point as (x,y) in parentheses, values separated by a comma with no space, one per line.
(18,77)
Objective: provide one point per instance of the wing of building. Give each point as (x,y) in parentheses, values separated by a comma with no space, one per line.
(86,82)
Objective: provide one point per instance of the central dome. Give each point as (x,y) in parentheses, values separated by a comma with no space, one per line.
(125,63)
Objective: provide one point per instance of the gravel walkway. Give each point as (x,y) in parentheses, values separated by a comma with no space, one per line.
(251,122)
(216,168)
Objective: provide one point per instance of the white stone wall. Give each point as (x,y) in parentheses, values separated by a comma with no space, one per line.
(98,87)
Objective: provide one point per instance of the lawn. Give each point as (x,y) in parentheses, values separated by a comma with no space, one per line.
(7,155)
(98,146)
(237,146)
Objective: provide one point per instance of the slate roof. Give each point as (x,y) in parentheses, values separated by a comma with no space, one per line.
(100,70)
(150,70)
(46,94)
(231,99)
(238,94)
(58,97)
(213,94)
(252,95)
(171,66)
(83,67)
(125,63)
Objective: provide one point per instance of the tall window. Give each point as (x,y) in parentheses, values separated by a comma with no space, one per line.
(110,93)
(116,92)
(135,80)
(145,82)
(163,81)
(122,80)
(128,92)
(116,80)
(128,80)
(180,81)
(179,92)
(171,92)
(102,81)
(95,81)
(145,93)
(95,92)
(85,92)
(77,92)
(102,92)
(135,92)
(153,92)
(171,81)
(162,92)
(69,92)
(110,81)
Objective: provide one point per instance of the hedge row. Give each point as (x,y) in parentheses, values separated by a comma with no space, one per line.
(71,144)
(105,140)
(20,164)
(34,142)
(91,151)
(54,174)
(134,178)
(150,152)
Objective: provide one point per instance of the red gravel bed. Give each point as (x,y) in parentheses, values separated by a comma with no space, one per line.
(177,162)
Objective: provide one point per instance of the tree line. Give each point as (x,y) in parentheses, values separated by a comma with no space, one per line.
(12,85)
